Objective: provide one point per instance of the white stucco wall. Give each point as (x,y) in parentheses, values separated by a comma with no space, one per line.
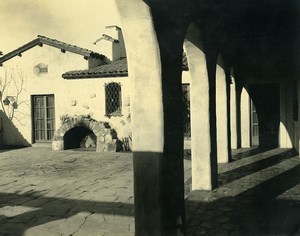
(245,119)
(186,77)
(88,93)
(289,128)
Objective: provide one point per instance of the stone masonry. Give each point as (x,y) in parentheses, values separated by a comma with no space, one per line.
(107,140)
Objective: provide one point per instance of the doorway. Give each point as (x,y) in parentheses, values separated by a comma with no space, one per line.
(266,98)
(43,113)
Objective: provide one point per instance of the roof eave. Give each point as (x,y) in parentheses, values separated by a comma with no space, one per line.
(106,75)
(65,47)
(44,40)
(19,50)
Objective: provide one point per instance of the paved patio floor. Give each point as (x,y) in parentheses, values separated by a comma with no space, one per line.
(258,194)
(73,192)
(43,192)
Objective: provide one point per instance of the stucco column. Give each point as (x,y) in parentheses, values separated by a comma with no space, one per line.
(233,115)
(204,166)
(146,113)
(297,123)
(228,101)
(211,62)
(154,53)
(284,137)
(245,119)
(222,116)
(238,95)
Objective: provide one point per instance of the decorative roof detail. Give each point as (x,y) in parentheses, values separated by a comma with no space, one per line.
(40,40)
(117,68)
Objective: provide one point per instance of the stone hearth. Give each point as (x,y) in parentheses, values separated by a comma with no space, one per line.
(106,137)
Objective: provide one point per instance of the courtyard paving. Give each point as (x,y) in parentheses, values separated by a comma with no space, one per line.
(77,192)
(45,192)
(258,194)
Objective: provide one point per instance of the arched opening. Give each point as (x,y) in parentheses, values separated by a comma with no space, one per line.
(80,137)
(203,162)
(83,131)
(266,99)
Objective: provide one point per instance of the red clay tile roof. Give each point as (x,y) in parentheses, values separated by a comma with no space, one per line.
(40,40)
(114,69)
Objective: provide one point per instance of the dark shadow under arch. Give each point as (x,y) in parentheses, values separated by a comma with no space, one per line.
(266,98)
(74,137)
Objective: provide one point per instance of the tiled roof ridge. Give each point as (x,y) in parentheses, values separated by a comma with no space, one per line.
(118,68)
(112,69)
(40,40)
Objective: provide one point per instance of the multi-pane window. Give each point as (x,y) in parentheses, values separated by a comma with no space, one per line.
(43,117)
(113,99)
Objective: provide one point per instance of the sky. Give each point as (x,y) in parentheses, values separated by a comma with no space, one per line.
(78,22)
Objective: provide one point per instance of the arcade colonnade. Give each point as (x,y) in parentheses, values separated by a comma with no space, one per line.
(155,36)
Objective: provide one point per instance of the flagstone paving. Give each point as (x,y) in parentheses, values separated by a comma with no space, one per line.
(77,192)
(258,194)
(45,192)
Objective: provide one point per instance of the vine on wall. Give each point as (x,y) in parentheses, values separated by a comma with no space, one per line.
(11,87)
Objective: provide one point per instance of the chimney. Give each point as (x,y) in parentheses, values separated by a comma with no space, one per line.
(111,43)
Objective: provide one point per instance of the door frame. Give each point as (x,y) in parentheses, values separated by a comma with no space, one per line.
(33,138)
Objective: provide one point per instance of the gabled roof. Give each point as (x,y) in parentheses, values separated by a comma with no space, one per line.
(117,68)
(40,40)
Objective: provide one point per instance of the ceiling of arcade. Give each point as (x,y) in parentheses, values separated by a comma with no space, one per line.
(259,37)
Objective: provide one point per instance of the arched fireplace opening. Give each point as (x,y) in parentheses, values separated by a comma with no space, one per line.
(83,131)
(79,137)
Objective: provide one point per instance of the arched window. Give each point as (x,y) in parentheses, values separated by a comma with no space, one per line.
(113,99)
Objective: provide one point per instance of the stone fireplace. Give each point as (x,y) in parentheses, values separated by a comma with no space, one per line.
(84,132)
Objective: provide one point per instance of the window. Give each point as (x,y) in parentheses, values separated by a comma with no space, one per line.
(113,99)
(41,68)
(43,117)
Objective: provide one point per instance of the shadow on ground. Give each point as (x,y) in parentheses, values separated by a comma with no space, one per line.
(49,209)
(7,148)
(265,209)
(240,172)
(247,152)
(271,206)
